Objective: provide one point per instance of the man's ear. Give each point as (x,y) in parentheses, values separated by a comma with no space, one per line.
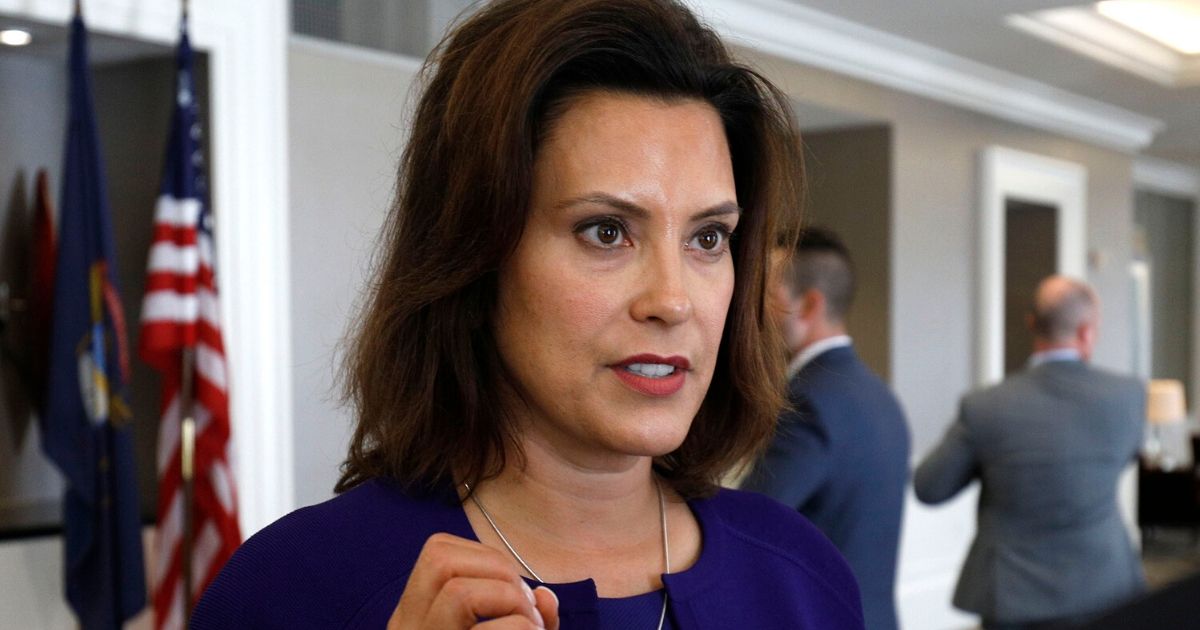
(812,304)
(1086,334)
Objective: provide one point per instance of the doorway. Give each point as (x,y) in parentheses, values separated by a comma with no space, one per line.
(1045,198)
(1030,254)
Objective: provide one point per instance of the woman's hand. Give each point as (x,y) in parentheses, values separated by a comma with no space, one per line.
(456,581)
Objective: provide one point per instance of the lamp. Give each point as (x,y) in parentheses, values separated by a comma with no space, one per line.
(1167,442)
(1165,402)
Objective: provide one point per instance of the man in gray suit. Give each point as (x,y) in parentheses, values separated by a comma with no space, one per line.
(1048,445)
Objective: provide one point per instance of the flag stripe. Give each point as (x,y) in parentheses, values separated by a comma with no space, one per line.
(210,365)
(173,258)
(180,308)
(174,212)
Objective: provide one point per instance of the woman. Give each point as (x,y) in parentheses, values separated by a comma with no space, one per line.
(564,350)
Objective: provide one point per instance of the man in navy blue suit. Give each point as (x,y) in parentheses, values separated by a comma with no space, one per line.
(840,455)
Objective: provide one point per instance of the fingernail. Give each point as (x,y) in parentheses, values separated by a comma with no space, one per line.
(543,588)
(529,594)
(537,618)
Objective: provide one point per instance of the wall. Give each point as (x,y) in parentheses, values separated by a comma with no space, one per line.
(934,241)
(850,193)
(347,126)
(1168,225)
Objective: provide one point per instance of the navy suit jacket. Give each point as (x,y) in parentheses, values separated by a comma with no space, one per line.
(841,457)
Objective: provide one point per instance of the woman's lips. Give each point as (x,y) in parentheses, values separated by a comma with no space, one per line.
(653,385)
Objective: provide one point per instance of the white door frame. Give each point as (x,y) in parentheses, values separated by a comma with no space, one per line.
(1008,173)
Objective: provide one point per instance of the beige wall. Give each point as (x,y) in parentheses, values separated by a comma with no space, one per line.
(849,190)
(1168,224)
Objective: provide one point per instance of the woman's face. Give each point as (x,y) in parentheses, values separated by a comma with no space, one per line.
(612,306)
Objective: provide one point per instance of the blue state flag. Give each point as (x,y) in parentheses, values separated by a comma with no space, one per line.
(86,426)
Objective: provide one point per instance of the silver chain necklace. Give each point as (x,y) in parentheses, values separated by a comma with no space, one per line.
(662,512)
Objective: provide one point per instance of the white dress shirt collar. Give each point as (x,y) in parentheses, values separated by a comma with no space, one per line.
(1054,354)
(815,350)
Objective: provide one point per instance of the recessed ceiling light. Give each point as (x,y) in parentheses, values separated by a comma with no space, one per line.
(15,37)
(1084,29)
(1173,23)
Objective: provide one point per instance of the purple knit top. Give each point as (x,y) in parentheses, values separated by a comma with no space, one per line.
(344,563)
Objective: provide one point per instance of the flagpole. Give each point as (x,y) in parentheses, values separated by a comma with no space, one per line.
(187,455)
(187,447)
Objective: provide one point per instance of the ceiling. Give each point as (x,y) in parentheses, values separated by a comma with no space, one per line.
(976,30)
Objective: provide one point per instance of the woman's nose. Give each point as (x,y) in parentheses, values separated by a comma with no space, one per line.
(663,295)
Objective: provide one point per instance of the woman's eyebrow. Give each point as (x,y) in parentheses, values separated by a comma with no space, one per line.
(605,199)
(727,207)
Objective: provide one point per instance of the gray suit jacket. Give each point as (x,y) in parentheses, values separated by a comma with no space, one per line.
(1048,445)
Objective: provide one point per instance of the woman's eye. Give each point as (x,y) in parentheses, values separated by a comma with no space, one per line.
(711,239)
(604,234)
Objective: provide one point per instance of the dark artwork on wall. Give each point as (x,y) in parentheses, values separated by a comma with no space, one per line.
(21,362)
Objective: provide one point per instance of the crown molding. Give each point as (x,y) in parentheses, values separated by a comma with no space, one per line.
(810,37)
(1163,176)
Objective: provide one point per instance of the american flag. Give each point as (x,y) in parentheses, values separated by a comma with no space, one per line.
(180,311)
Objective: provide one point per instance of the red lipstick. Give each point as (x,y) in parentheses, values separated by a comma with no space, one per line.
(652,385)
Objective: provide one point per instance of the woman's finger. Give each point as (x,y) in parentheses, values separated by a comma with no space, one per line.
(445,557)
(463,601)
(547,605)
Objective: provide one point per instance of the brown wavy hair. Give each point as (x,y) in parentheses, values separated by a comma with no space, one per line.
(422,367)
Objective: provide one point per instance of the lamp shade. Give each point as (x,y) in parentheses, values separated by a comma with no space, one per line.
(1164,402)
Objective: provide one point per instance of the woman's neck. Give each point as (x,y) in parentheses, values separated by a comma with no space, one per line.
(571,520)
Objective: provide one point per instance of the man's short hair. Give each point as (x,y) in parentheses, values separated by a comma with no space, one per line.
(1056,317)
(821,261)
